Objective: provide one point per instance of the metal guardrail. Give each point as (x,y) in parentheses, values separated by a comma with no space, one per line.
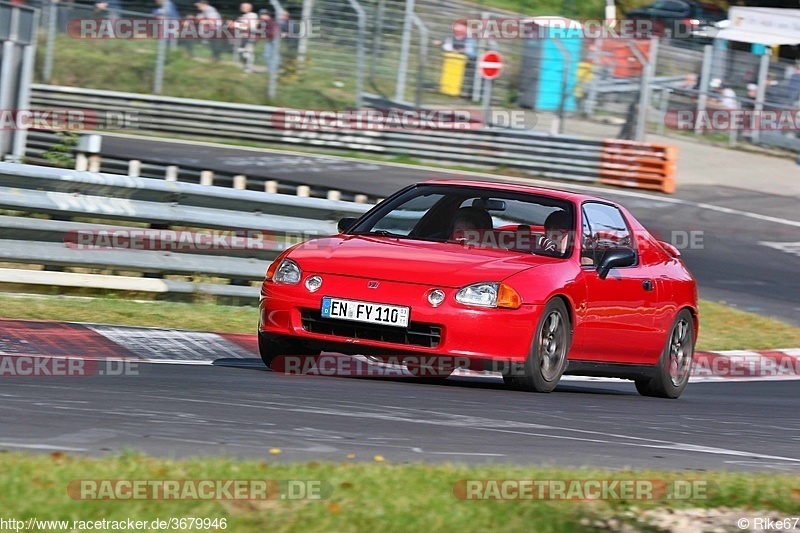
(626,86)
(40,142)
(92,202)
(540,154)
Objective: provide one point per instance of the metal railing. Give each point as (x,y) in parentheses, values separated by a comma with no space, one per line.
(538,153)
(86,203)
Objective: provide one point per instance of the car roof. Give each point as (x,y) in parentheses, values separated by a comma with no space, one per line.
(577,198)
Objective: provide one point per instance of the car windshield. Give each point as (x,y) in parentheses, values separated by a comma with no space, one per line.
(476,218)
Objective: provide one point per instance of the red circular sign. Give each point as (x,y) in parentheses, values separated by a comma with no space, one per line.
(490,65)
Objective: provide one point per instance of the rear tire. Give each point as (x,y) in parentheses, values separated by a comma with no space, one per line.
(547,359)
(675,363)
(271,346)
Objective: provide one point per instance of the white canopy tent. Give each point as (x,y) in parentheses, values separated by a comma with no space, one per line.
(757,25)
(762,25)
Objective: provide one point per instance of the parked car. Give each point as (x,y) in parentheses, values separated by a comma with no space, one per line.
(552,281)
(681,19)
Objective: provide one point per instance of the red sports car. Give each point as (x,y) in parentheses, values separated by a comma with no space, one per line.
(531,282)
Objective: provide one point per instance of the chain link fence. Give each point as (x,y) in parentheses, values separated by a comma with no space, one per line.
(615,87)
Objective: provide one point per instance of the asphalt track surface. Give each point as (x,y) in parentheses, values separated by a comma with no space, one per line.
(237,407)
(728,258)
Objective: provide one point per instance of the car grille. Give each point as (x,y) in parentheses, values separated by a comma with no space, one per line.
(416,334)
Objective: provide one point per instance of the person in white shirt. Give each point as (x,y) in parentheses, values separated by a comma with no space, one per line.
(245,48)
(725,96)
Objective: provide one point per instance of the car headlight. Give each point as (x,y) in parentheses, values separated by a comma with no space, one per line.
(489,295)
(287,272)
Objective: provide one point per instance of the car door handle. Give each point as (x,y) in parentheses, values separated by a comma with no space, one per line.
(648,285)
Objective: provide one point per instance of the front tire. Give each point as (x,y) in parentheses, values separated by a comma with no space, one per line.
(272,346)
(675,364)
(547,359)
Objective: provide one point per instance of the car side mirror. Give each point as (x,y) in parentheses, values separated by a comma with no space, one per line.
(345,223)
(623,257)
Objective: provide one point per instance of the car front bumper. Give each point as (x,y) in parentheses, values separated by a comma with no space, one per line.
(451,329)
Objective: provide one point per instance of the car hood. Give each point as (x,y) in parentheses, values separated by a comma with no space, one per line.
(411,261)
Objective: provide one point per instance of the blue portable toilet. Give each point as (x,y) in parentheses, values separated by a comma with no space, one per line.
(543,63)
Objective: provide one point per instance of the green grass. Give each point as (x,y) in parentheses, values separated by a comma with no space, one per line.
(721,327)
(363,496)
(195,316)
(726,328)
(129,66)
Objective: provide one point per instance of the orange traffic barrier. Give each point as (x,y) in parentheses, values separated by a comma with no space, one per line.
(638,165)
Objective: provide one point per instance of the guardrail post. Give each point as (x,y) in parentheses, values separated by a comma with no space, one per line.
(275,56)
(421,56)
(597,71)
(405,47)
(240,182)
(377,33)
(304,191)
(161,57)
(360,199)
(305,18)
(362,32)
(271,186)
(207,177)
(94,163)
(91,145)
(334,195)
(648,71)
(477,79)
(50,47)
(705,77)
(134,168)
(171,173)
(665,94)
(763,71)
(81,162)
(566,66)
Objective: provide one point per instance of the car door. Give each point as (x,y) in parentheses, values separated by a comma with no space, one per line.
(619,313)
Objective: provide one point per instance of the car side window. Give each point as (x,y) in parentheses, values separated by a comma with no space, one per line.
(603,228)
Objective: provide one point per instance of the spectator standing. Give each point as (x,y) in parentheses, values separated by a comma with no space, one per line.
(208,16)
(724,96)
(460,43)
(272,30)
(245,47)
(109,9)
(752,93)
(284,21)
(287,33)
(166,10)
(186,23)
